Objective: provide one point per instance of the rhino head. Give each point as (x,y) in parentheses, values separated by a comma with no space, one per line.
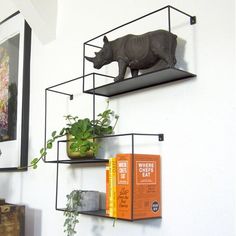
(103,57)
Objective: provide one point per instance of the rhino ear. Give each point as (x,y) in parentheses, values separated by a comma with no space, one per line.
(105,39)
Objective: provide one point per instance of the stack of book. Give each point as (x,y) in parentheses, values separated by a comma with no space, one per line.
(133,186)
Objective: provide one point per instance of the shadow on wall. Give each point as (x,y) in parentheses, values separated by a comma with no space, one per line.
(179,54)
(34,222)
(5,188)
(155,223)
(98,228)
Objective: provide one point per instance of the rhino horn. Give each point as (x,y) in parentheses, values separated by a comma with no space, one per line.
(105,39)
(90,58)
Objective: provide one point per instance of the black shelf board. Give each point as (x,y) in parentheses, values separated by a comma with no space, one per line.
(102,213)
(83,161)
(99,213)
(80,161)
(147,80)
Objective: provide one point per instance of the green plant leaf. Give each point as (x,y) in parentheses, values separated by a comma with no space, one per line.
(74,147)
(49,145)
(54,133)
(49,140)
(62,132)
(35,160)
(42,151)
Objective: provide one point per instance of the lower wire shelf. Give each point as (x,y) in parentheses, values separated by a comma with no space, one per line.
(102,213)
(95,162)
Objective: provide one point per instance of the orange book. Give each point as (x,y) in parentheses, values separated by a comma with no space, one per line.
(138,186)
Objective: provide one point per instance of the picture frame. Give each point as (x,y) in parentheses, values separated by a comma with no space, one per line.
(15,52)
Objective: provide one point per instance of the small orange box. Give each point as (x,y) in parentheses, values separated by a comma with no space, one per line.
(144,180)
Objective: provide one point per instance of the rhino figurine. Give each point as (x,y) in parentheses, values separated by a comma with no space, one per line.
(137,52)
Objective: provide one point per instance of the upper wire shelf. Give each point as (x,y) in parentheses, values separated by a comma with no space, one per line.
(154,78)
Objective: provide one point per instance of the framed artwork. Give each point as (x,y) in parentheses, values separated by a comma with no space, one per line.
(15,47)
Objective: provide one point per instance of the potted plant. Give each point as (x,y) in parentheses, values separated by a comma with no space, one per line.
(81,134)
(71,214)
(77,201)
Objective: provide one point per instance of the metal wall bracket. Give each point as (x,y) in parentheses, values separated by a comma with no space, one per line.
(193,20)
(161,137)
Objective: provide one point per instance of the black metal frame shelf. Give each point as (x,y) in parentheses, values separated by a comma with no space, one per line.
(151,79)
(132,84)
(101,213)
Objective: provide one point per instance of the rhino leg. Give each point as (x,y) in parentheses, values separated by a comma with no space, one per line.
(168,58)
(165,52)
(122,69)
(134,72)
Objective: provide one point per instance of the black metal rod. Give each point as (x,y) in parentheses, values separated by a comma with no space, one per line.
(126,24)
(132,184)
(57,176)
(119,135)
(95,46)
(9,17)
(94,108)
(66,82)
(54,91)
(83,67)
(180,11)
(108,76)
(58,209)
(169,22)
(45,122)
(128,134)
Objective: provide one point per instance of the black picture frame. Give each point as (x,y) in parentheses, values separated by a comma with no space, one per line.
(21,154)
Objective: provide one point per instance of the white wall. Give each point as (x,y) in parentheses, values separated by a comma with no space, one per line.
(7,10)
(41,16)
(197,117)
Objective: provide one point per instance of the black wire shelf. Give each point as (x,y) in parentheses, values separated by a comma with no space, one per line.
(142,81)
(151,79)
(146,80)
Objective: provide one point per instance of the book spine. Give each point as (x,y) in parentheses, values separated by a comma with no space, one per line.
(107,189)
(124,184)
(112,188)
